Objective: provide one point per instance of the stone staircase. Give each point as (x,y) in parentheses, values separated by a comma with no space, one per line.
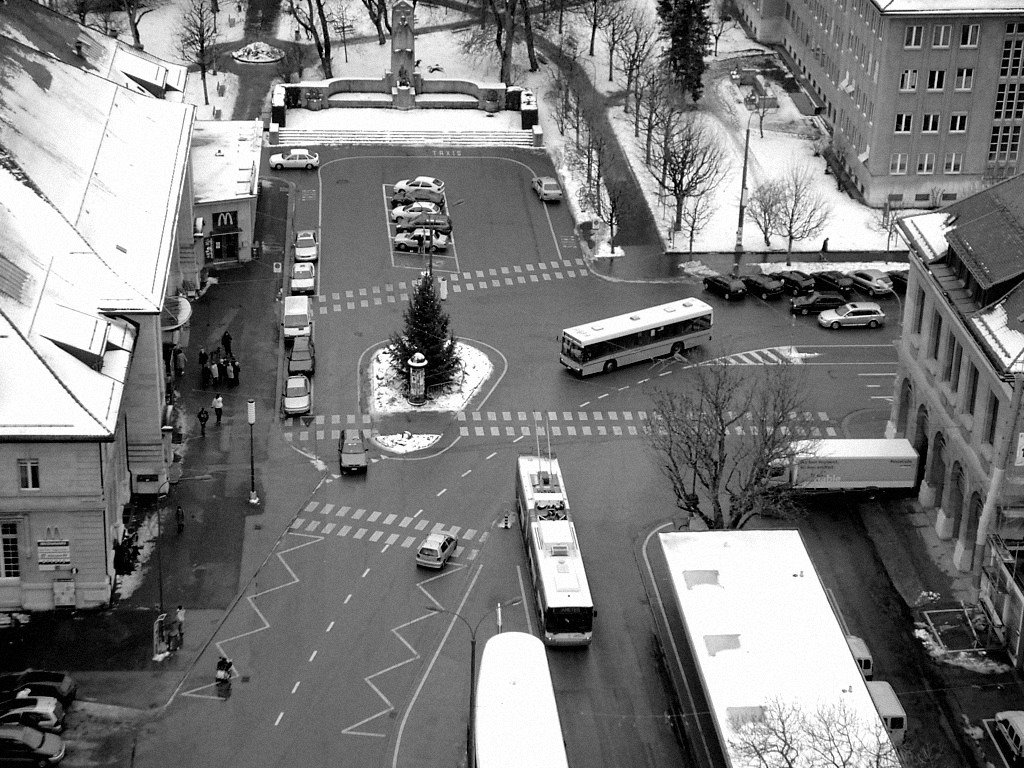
(288,137)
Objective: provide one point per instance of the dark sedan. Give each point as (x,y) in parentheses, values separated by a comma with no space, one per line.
(795,282)
(39,682)
(729,288)
(816,302)
(833,280)
(764,287)
(899,280)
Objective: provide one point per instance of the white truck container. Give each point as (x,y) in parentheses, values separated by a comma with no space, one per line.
(849,465)
(893,715)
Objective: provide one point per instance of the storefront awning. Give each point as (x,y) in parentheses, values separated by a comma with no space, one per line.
(175,314)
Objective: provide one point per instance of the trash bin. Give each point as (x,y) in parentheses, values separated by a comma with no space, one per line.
(529,117)
(443,288)
(513,98)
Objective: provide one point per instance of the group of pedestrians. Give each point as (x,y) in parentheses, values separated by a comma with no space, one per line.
(221,368)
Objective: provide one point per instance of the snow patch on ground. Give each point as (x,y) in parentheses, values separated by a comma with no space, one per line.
(387,394)
(976,661)
(405,442)
(791,354)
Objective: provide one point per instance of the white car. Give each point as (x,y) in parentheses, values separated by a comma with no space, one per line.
(421,188)
(306,246)
(303,278)
(295,158)
(298,396)
(410,241)
(436,550)
(546,188)
(404,213)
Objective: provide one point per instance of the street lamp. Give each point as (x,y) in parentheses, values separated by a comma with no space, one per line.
(472,663)
(743,196)
(251,414)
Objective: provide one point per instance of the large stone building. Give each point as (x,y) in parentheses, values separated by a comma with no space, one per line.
(960,382)
(924,98)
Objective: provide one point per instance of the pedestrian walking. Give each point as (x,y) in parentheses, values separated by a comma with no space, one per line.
(203,357)
(237,369)
(180,616)
(229,373)
(179,518)
(215,373)
(824,246)
(179,362)
(225,340)
(203,416)
(171,633)
(218,406)
(204,376)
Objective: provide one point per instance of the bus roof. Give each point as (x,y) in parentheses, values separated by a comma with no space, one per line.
(516,718)
(639,320)
(540,479)
(561,564)
(761,628)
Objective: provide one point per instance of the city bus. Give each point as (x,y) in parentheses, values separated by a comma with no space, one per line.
(564,604)
(515,718)
(666,329)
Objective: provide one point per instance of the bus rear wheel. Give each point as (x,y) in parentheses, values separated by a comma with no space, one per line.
(610,366)
(678,348)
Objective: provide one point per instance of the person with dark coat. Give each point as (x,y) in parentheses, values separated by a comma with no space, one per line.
(236,366)
(203,416)
(226,341)
(179,362)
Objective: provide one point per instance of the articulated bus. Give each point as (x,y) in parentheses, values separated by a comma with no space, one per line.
(641,335)
(556,565)
(515,718)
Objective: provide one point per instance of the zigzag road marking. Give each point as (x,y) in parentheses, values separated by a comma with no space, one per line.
(389,707)
(195,692)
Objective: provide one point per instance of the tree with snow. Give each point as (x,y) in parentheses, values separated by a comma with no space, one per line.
(803,210)
(196,39)
(426,331)
(687,30)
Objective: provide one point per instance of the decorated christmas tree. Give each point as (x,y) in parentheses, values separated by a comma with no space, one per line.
(427,332)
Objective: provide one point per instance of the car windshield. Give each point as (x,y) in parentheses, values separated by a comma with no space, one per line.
(844,311)
(305,241)
(296,389)
(352,445)
(300,354)
(550,186)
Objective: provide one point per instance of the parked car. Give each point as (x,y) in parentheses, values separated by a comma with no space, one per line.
(795,282)
(729,288)
(815,302)
(302,357)
(403,214)
(39,682)
(765,287)
(303,278)
(410,241)
(295,158)
(856,313)
(421,188)
(435,550)
(352,451)
(871,281)
(42,712)
(833,280)
(23,745)
(298,396)
(307,246)
(899,277)
(546,187)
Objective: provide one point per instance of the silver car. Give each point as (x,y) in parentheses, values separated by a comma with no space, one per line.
(856,313)
(872,281)
(295,158)
(421,188)
(435,550)
(306,246)
(546,188)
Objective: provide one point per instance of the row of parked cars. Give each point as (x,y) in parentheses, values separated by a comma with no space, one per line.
(33,704)
(826,294)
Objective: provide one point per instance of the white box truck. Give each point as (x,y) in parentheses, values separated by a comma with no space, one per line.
(839,464)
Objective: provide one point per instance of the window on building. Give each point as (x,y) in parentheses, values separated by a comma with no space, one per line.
(908,80)
(936,79)
(915,327)
(993,419)
(969,35)
(898,163)
(953,163)
(930,123)
(1010,64)
(10,566)
(972,389)
(1009,101)
(936,336)
(926,163)
(913,36)
(947,366)
(958,358)
(964,78)
(904,122)
(1004,144)
(28,474)
(958,122)
(941,34)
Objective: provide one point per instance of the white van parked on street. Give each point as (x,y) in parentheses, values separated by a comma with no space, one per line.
(297,318)
(893,715)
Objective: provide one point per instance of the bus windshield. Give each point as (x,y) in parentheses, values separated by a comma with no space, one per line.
(572,348)
(569,620)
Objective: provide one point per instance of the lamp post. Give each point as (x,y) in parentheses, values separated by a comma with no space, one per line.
(251,415)
(743,197)
(471,758)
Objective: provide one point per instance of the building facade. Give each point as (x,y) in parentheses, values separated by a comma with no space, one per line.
(960,383)
(924,99)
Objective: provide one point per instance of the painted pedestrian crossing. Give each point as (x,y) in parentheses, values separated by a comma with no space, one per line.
(469,281)
(324,519)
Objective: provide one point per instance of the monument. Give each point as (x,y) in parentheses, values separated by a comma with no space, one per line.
(403,55)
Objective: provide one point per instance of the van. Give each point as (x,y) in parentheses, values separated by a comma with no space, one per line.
(893,715)
(298,318)
(861,655)
(1011,726)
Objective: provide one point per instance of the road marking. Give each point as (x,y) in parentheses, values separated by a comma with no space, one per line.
(313,655)
(364,573)
(601,397)
(886,375)
(295,687)
(518,438)
(666,373)
(491,456)
(442,492)
(418,512)
(385,548)
(466,472)
(873,386)
(584,405)
(623,389)
(279,716)
(347,599)
(330,626)
(643,381)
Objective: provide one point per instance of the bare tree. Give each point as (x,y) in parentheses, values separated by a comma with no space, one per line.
(803,210)
(291,65)
(771,739)
(377,10)
(135,11)
(531,51)
(196,39)
(108,21)
(504,33)
(723,433)
(635,52)
(697,215)
(316,19)
(615,31)
(597,14)
(763,105)
(655,99)
(80,9)
(763,208)
(691,161)
(722,15)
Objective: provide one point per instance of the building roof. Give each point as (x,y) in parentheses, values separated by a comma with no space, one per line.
(112,162)
(950,7)
(61,37)
(987,232)
(226,155)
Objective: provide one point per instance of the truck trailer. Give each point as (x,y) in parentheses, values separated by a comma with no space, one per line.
(841,464)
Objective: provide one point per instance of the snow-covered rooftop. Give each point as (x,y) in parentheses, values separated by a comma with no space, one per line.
(957,7)
(226,155)
(927,231)
(112,162)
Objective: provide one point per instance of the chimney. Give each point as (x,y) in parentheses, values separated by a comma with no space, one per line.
(78,49)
